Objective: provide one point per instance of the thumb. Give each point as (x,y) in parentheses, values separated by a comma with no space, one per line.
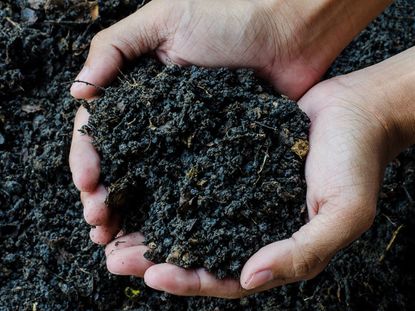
(110,48)
(305,254)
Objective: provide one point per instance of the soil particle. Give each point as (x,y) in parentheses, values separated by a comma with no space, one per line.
(217,161)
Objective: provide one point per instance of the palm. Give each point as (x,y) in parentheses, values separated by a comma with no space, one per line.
(343,170)
(218,34)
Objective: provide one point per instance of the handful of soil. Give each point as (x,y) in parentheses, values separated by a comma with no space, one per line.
(207,163)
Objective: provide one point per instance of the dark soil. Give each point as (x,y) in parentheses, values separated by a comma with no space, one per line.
(217,162)
(47,261)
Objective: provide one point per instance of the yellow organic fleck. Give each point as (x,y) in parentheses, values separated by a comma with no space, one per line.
(300,148)
(94,11)
(192,173)
(132,293)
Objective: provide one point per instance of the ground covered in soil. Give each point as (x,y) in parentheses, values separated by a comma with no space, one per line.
(210,161)
(47,261)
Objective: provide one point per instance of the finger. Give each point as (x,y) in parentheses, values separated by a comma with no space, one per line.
(128,39)
(183,282)
(129,261)
(104,234)
(83,158)
(302,256)
(132,239)
(96,212)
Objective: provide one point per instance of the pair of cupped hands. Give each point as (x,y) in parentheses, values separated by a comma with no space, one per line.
(350,134)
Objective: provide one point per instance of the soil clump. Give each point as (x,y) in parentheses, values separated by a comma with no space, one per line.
(209,162)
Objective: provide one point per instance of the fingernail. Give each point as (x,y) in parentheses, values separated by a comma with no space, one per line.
(259,278)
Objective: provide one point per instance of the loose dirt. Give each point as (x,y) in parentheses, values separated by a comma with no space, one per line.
(208,162)
(47,261)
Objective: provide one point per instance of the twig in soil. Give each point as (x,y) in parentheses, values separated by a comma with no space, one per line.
(66,22)
(6,194)
(91,84)
(308,298)
(53,273)
(411,200)
(266,126)
(149,144)
(249,218)
(390,220)
(131,84)
(339,292)
(392,240)
(266,156)
(13,23)
(203,89)
(81,269)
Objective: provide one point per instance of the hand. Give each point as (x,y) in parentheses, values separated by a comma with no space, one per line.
(359,122)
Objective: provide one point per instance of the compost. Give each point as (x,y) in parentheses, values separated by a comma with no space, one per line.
(208,162)
(47,261)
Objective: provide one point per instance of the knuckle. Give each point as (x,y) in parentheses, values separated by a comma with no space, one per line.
(306,262)
(199,290)
(302,269)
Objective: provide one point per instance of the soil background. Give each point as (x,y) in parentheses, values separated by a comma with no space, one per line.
(47,261)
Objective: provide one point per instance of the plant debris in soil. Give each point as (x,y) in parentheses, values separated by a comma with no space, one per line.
(47,261)
(210,160)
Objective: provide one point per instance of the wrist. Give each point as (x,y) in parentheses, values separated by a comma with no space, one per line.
(402,100)
(327,21)
(392,102)
(309,35)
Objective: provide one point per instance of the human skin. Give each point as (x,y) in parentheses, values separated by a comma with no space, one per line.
(350,138)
